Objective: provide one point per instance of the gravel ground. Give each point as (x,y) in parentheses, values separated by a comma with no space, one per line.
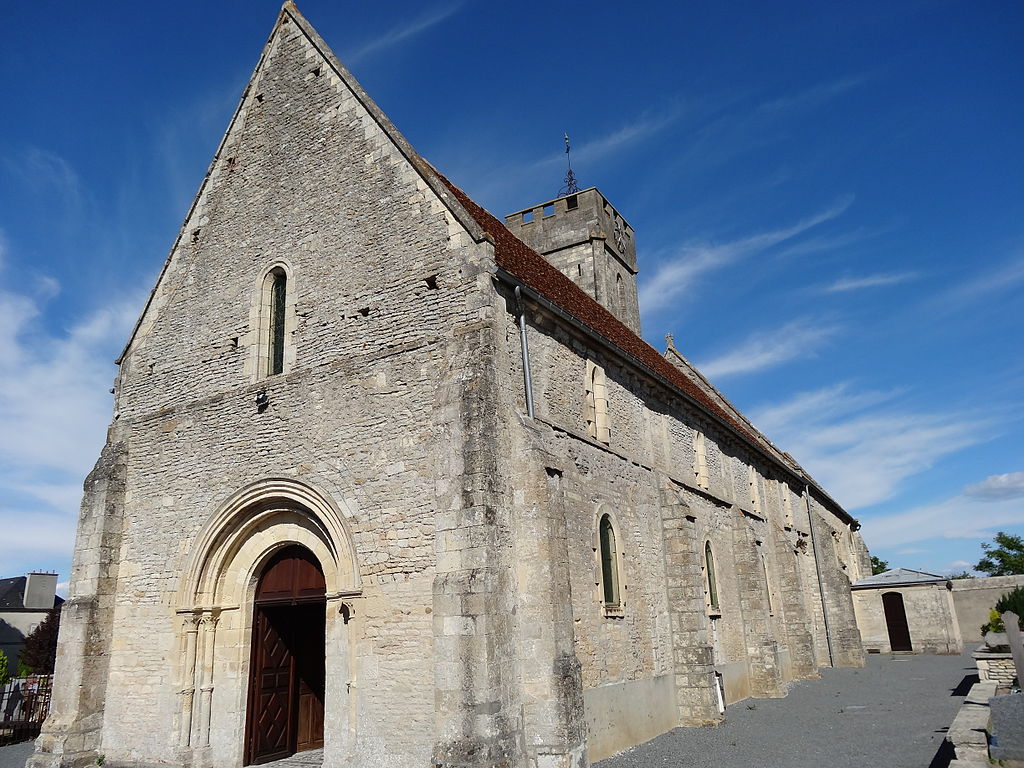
(893,712)
(15,755)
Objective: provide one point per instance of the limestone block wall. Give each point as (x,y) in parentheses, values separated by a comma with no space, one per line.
(757,522)
(996,667)
(931,618)
(974,598)
(389,300)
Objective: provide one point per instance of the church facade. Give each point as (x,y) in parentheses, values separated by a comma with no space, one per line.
(395,480)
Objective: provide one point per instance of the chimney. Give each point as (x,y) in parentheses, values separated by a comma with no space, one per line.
(40,589)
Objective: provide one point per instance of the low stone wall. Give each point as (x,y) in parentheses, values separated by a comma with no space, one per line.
(995,667)
(969,732)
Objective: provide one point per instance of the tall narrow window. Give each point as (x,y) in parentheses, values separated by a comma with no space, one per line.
(700,460)
(709,563)
(767,583)
(271,339)
(755,491)
(596,408)
(278,292)
(609,563)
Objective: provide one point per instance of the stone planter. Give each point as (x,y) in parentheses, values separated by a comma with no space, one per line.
(997,641)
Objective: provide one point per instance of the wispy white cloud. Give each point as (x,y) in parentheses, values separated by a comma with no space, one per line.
(958,517)
(44,172)
(403,31)
(1000,280)
(863,445)
(677,274)
(54,408)
(766,349)
(997,487)
(844,284)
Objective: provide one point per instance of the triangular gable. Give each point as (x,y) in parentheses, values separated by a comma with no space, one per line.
(290,15)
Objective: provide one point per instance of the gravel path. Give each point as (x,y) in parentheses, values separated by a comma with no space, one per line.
(15,755)
(893,712)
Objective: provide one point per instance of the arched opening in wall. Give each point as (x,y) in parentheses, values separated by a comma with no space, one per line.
(285,711)
(896,622)
(275,343)
(712,581)
(609,564)
(273,319)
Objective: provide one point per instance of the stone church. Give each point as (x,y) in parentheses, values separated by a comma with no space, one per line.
(394,480)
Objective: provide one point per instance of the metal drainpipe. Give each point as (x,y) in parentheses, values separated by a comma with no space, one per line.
(526,352)
(817,570)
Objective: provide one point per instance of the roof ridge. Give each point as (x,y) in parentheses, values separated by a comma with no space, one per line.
(524,263)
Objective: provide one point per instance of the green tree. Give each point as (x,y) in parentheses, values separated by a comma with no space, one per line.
(41,645)
(4,675)
(878,565)
(961,575)
(1005,557)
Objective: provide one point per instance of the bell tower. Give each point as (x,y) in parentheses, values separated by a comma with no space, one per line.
(586,239)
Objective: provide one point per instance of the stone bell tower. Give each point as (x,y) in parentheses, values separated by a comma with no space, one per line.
(585,238)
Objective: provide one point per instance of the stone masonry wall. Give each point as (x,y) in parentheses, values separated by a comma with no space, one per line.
(758,646)
(391,301)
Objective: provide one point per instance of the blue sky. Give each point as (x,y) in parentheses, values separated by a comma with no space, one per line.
(827,197)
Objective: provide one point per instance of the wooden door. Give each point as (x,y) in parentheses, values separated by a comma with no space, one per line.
(896,622)
(286,682)
(270,705)
(309,673)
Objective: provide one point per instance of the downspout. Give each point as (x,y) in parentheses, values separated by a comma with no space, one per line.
(528,380)
(817,570)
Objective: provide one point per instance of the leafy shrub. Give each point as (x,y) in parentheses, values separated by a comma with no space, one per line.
(4,675)
(1011,601)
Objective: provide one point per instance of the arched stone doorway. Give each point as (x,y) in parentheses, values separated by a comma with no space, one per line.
(896,622)
(285,712)
(230,583)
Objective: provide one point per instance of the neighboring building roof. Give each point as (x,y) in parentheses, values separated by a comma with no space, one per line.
(899,577)
(12,595)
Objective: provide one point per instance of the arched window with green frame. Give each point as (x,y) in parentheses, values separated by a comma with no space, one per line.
(709,564)
(609,563)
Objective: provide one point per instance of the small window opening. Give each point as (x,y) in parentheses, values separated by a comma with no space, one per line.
(596,404)
(278,292)
(259,97)
(572,202)
(527,217)
(365,311)
(549,210)
(579,269)
(195,235)
(609,563)
(431,282)
(232,162)
(709,563)
(317,71)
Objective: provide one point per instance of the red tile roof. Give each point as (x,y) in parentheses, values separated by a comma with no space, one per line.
(517,258)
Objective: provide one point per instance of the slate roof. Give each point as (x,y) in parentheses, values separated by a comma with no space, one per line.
(899,577)
(12,595)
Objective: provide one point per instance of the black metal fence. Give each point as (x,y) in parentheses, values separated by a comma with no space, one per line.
(24,703)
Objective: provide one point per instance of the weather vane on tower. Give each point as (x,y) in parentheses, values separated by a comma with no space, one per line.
(569,186)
